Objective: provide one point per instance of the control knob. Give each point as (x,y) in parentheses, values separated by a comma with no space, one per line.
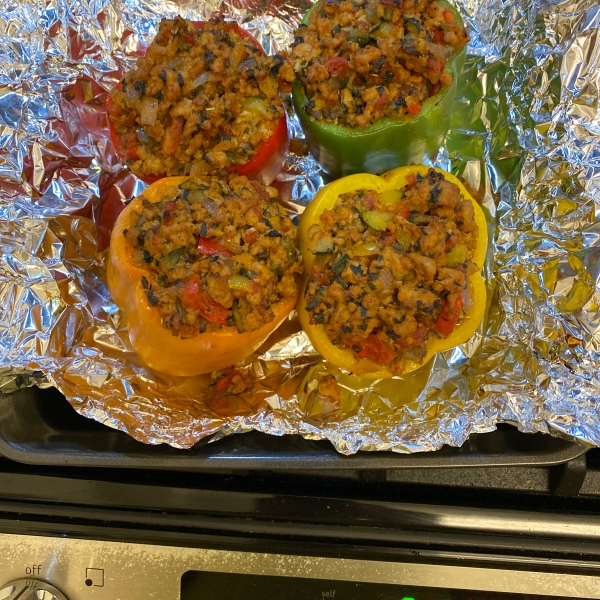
(30,589)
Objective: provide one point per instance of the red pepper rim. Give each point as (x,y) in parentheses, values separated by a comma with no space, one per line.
(278,139)
(265,149)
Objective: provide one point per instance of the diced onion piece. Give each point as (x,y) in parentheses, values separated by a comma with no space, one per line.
(149,111)
(321,245)
(443,52)
(200,80)
(467,300)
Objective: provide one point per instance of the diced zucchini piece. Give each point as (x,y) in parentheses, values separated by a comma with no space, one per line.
(377,220)
(456,256)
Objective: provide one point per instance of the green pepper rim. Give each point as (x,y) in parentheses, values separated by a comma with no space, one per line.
(420,124)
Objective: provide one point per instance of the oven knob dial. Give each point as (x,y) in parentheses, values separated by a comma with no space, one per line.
(30,589)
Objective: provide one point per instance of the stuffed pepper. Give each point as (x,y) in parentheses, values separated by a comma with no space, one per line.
(376,81)
(205,268)
(393,269)
(203,99)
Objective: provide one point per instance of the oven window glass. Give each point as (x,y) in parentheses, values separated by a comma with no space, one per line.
(201,585)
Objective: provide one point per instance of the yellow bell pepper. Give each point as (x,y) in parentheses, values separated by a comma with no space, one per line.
(155,345)
(393,180)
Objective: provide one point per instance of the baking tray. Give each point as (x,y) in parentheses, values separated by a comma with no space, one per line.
(40,427)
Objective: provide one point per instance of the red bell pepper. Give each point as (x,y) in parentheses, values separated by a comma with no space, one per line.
(448,317)
(336,66)
(210,247)
(195,297)
(226,380)
(263,166)
(373,349)
(269,157)
(414,109)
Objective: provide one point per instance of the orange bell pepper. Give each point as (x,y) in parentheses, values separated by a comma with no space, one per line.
(365,363)
(156,346)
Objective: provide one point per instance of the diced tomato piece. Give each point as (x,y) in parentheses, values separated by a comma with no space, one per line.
(262,193)
(130,120)
(436,65)
(222,384)
(226,380)
(195,297)
(320,276)
(448,16)
(336,66)
(209,247)
(251,237)
(132,153)
(369,199)
(417,338)
(382,100)
(257,211)
(437,35)
(414,109)
(173,135)
(387,238)
(373,349)
(448,317)
(404,209)
(411,179)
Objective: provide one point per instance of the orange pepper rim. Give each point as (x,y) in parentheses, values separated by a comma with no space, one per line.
(154,344)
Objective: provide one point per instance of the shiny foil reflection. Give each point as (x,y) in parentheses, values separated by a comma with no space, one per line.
(524,136)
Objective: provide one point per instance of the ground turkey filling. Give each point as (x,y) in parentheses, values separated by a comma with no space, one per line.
(200,100)
(361,61)
(392,270)
(217,253)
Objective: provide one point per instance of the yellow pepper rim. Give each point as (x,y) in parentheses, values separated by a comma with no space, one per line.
(393,180)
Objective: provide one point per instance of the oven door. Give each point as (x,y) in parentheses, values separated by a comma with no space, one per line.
(121,535)
(51,568)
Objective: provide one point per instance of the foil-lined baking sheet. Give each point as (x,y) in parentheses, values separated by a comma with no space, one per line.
(525,136)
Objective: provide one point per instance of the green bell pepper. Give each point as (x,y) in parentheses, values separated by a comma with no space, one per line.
(388,143)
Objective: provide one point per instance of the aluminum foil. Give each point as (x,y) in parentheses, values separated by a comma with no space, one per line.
(525,136)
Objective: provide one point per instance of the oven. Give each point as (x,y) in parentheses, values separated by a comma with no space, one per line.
(88,513)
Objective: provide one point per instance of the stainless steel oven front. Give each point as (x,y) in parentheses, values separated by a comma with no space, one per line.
(66,568)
